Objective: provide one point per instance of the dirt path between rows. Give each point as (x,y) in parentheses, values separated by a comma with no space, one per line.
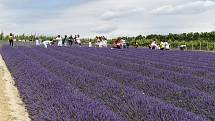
(11,106)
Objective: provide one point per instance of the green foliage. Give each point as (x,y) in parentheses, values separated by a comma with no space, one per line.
(25,37)
(2,36)
(193,41)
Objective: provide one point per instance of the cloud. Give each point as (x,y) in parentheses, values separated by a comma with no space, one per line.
(195,7)
(40,4)
(104,28)
(31,11)
(114,14)
(111,18)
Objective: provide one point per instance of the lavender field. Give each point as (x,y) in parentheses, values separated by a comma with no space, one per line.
(100,84)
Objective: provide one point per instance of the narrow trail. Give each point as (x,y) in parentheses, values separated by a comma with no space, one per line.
(11,106)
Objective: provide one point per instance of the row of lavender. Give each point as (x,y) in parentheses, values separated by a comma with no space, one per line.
(117,90)
(157,59)
(145,69)
(166,57)
(190,99)
(49,97)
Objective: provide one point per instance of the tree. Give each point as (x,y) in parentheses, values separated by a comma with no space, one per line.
(2,36)
(196,36)
(139,37)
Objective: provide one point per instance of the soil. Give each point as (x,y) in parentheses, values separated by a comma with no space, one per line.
(11,106)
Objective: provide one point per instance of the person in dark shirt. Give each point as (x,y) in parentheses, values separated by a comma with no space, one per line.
(71,39)
(11,39)
(64,40)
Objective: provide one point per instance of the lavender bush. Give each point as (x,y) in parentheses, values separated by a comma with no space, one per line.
(102,84)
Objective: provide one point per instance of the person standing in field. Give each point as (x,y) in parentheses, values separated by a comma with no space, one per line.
(11,39)
(78,39)
(124,43)
(37,41)
(97,41)
(64,40)
(75,41)
(71,39)
(104,41)
(59,40)
(100,42)
(90,43)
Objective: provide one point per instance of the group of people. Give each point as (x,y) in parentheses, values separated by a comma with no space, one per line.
(120,43)
(162,46)
(60,41)
(101,41)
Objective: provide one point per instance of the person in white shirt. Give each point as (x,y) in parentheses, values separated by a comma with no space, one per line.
(123,43)
(104,41)
(78,39)
(46,43)
(99,42)
(167,45)
(38,42)
(90,44)
(154,45)
(59,40)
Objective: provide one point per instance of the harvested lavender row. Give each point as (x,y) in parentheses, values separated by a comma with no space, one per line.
(48,97)
(127,100)
(180,79)
(166,91)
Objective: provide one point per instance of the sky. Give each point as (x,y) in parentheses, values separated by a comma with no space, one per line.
(110,18)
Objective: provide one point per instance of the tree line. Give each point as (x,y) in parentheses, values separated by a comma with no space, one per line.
(193,40)
(26,37)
